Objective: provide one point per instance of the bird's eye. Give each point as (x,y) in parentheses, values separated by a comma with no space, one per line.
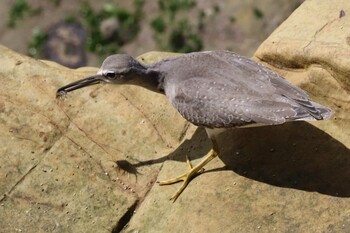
(110,75)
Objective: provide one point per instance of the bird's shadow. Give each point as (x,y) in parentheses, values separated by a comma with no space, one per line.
(294,155)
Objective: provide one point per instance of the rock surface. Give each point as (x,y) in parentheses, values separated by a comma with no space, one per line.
(288,178)
(66,165)
(89,163)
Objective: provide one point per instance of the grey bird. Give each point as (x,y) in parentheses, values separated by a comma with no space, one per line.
(213,89)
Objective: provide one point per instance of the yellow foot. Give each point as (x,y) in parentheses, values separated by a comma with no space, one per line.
(188,176)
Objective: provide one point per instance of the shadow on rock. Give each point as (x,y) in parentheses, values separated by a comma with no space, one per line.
(196,147)
(294,155)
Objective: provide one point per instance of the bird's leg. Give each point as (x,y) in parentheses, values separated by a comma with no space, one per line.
(187,177)
(188,161)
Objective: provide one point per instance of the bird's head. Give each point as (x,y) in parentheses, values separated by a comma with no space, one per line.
(118,68)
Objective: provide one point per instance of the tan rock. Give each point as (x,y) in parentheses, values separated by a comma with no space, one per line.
(83,164)
(67,165)
(288,178)
(311,50)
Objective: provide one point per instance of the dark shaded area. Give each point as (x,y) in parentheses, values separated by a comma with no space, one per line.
(198,146)
(293,155)
(127,167)
(125,219)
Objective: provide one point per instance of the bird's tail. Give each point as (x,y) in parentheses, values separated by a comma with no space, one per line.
(325,112)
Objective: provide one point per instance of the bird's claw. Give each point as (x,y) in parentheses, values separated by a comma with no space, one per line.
(186,178)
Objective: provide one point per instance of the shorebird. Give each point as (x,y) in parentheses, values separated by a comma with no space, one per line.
(213,89)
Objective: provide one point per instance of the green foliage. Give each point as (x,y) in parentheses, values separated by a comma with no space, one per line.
(19,10)
(176,33)
(56,2)
(232,19)
(173,6)
(37,41)
(71,19)
(183,40)
(201,20)
(216,8)
(258,13)
(158,24)
(128,26)
(173,30)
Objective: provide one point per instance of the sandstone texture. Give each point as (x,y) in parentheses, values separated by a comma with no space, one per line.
(89,162)
(67,165)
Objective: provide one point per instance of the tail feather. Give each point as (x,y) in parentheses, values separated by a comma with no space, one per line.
(312,111)
(324,112)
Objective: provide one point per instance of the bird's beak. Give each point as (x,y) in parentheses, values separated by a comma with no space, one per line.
(92,80)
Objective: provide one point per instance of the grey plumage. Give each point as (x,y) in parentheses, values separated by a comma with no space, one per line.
(214,89)
(222,89)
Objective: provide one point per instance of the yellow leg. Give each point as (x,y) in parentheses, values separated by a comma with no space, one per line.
(186,177)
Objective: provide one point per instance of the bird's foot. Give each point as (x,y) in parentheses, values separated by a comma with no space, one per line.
(188,176)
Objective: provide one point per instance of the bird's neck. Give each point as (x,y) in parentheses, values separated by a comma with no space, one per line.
(149,78)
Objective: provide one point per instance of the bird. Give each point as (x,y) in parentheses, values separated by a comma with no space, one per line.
(217,90)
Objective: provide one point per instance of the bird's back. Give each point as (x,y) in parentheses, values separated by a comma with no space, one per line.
(222,89)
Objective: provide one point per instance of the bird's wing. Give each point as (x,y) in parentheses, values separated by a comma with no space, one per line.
(256,74)
(204,103)
(237,94)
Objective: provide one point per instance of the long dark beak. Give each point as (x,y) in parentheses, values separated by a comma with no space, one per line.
(92,80)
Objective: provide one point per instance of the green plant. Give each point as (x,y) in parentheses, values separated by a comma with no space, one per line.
(19,10)
(258,13)
(36,43)
(158,24)
(128,26)
(174,32)
(232,19)
(173,6)
(56,2)
(183,40)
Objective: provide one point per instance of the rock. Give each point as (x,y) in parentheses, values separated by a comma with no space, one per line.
(80,164)
(313,54)
(109,27)
(65,44)
(90,162)
(288,178)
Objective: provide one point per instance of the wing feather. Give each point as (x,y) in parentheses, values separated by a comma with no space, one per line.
(227,90)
